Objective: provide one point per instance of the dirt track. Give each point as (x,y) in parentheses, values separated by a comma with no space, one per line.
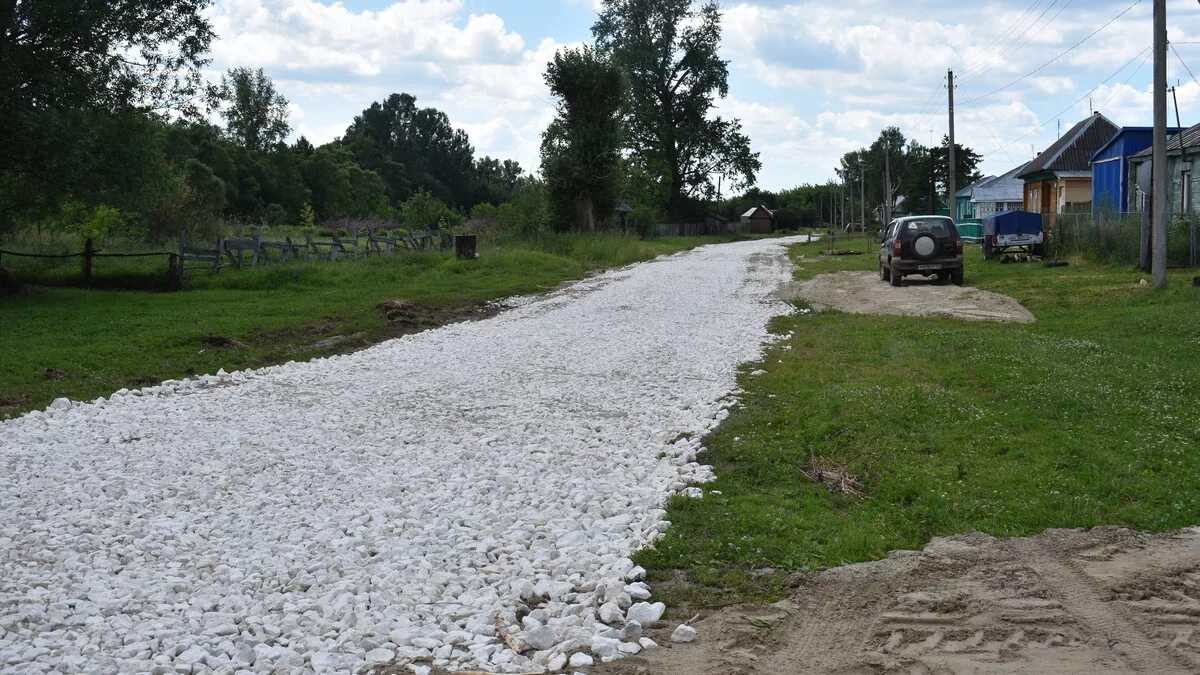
(864,293)
(1066,601)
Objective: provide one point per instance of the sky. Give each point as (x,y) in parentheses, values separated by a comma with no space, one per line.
(809,80)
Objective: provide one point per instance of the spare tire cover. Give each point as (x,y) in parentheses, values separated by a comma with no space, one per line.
(924,245)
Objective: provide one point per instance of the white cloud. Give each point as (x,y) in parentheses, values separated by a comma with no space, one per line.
(810,79)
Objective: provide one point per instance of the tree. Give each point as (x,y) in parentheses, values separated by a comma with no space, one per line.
(413,148)
(669,53)
(64,60)
(256,116)
(580,147)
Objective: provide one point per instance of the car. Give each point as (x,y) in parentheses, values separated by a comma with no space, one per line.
(925,245)
(854,227)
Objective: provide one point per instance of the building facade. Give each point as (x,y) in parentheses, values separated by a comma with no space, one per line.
(1059,180)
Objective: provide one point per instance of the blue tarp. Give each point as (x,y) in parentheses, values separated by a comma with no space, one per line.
(1013,222)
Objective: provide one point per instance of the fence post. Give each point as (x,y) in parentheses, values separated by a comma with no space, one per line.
(88,252)
(174,272)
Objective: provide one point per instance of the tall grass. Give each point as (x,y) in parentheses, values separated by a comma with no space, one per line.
(1116,238)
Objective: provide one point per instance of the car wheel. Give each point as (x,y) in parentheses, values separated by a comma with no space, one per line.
(895,278)
(883,273)
(957,277)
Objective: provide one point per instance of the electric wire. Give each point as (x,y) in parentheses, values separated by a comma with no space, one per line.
(1064,53)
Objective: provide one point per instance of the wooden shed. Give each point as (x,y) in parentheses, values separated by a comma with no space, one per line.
(759,219)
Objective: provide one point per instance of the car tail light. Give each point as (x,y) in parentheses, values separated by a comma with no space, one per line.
(896,247)
(958,245)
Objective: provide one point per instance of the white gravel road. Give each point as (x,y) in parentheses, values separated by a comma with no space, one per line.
(397,504)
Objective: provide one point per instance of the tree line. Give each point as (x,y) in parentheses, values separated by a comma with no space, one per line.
(109,124)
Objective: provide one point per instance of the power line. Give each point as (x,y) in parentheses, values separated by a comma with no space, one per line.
(1029,37)
(1068,108)
(969,68)
(1064,53)
(1012,47)
(1183,63)
(991,133)
(1126,82)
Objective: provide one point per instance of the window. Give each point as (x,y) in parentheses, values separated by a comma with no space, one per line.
(1185,192)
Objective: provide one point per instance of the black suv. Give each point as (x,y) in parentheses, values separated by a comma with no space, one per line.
(922,245)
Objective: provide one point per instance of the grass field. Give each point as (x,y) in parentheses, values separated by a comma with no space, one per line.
(1091,416)
(88,343)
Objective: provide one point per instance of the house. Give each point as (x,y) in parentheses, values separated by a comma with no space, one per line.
(1182,183)
(758,219)
(963,208)
(1001,193)
(1110,168)
(1060,179)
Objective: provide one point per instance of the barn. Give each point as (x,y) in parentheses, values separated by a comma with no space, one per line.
(759,219)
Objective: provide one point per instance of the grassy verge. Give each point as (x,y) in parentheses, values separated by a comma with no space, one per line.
(86,343)
(1088,417)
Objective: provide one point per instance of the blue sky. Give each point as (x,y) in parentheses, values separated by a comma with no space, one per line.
(810,80)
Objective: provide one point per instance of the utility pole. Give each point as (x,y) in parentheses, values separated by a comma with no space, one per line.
(862,190)
(952,198)
(1158,164)
(887,185)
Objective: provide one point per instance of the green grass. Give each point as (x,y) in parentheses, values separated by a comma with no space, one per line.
(88,343)
(1089,417)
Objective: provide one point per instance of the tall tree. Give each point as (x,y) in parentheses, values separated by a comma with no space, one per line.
(414,148)
(669,52)
(580,147)
(62,61)
(256,116)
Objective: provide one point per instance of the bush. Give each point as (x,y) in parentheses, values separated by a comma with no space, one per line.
(423,211)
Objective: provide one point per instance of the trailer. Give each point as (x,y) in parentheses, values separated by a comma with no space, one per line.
(1010,231)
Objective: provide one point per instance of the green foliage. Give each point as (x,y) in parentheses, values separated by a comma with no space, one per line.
(256,116)
(669,51)
(308,218)
(528,213)
(484,211)
(67,66)
(918,173)
(424,211)
(414,149)
(579,149)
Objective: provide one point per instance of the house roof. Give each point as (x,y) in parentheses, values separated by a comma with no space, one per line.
(1004,188)
(1124,130)
(751,212)
(1191,139)
(1074,150)
(966,191)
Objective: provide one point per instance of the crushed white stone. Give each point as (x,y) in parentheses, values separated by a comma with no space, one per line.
(404,501)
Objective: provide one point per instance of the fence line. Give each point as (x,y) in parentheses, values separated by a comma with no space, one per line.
(232,252)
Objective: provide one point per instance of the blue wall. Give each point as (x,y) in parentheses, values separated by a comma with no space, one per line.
(1110,167)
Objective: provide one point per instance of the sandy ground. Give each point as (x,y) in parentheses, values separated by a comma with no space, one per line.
(864,293)
(1066,601)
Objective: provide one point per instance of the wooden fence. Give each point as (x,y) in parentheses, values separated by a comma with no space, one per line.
(238,253)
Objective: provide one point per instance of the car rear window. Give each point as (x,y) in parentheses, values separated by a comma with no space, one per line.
(938,227)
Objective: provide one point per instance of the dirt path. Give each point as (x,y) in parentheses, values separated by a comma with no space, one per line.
(1066,601)
(864,293)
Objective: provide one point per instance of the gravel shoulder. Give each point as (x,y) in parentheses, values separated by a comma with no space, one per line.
(1067,601)
(864,293)
(446,498)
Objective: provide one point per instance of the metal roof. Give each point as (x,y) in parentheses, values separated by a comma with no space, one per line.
(1191,139)
(1006,188)
(1075,149)
(751,212)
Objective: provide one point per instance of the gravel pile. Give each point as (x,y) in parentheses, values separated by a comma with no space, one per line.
(468,496)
